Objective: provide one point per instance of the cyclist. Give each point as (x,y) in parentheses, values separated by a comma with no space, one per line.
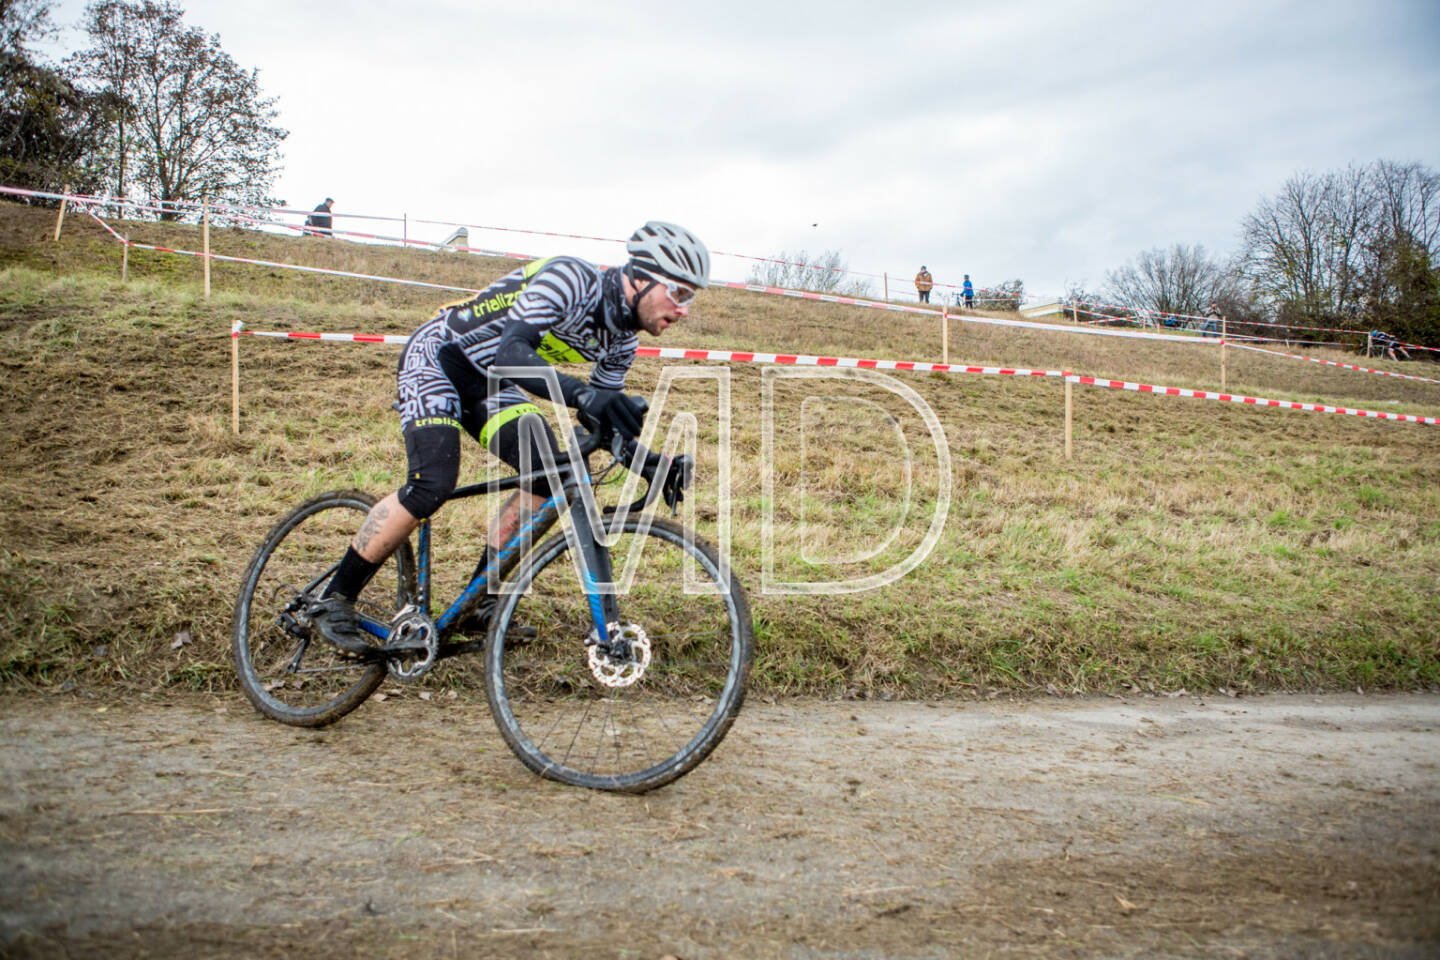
(557,310)
(1383,344)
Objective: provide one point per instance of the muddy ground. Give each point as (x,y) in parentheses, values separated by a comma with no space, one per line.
(1279,826)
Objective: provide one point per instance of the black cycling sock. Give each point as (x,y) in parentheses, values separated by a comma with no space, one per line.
(354,572)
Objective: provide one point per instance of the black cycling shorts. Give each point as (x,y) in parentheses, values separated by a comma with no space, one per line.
(501,434)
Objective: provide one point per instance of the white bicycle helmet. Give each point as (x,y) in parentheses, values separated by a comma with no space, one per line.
(670,250)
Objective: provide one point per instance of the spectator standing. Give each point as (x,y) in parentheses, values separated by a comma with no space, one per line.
(319,221)
(967,290)
(1212,320)
(923,283)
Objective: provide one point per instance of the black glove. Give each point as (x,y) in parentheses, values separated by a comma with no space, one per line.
(679,474)
(678,479)
(611,408)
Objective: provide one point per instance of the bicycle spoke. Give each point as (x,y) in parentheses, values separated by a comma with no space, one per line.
(575,713)
(289,673)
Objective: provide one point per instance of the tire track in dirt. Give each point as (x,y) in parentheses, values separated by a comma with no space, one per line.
(1272,826)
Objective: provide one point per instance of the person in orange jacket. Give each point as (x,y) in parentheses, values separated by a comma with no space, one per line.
(923,283)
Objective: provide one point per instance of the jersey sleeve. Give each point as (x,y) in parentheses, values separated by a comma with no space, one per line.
(610,370)
(556,292)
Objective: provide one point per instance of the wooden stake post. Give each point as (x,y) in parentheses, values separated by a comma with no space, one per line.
(1222,353)
(1069,416)
(205,237)
(125,261)
(60,218)
(944,335)
(235,380)
(887,286)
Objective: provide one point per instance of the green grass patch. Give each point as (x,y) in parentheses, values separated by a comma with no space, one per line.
(1187,544)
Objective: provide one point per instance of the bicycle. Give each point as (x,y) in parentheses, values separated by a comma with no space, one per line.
(612,691)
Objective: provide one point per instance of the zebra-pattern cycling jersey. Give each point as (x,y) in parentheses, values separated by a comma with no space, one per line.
(580,308)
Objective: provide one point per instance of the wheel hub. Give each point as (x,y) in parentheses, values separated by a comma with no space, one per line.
(613,671)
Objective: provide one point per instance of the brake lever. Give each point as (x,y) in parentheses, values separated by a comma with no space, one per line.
(675,493)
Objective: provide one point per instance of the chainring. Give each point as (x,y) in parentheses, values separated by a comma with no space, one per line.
(412,629)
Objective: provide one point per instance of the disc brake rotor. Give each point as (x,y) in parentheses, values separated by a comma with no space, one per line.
(614,672)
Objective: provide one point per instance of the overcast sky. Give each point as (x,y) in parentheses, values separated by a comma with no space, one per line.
(1046,140)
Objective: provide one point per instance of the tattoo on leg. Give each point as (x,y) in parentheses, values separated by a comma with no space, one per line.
(371,527)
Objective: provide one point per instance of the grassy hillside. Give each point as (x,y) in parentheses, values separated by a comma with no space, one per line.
(1187,544)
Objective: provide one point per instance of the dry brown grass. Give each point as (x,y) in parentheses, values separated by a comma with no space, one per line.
(1188,543)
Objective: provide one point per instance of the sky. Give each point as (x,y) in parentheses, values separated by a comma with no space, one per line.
(1040,140)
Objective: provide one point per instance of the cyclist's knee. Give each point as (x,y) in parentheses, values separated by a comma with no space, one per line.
(432,453)
(422,497)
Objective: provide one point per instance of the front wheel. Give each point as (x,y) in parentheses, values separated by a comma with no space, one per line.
(289,672)
(575,714)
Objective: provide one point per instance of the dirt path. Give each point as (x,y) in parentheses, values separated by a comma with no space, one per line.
(1279,826)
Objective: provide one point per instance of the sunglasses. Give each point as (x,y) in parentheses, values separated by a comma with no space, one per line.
(679,295)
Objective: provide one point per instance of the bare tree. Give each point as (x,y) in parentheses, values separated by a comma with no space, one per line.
(827,272)
(1302,251)
(1406,197)
(1348,247)
(1402,280)
(1183,279)
(23,22)
(196,123)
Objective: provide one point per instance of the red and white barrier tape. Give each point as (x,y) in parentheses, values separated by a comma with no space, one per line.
(1230,336)
(246,213)
(195,206)
(795,359)
(963,318)
(239,330)
(1253,401)
(1334,363)
(1118,306)
(804,360)
(734,285)
(755,288)
(1255,323)
(284,266)
(1191,316)
(683,353)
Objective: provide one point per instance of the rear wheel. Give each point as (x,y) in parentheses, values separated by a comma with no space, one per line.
(285,667)
(630,723)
